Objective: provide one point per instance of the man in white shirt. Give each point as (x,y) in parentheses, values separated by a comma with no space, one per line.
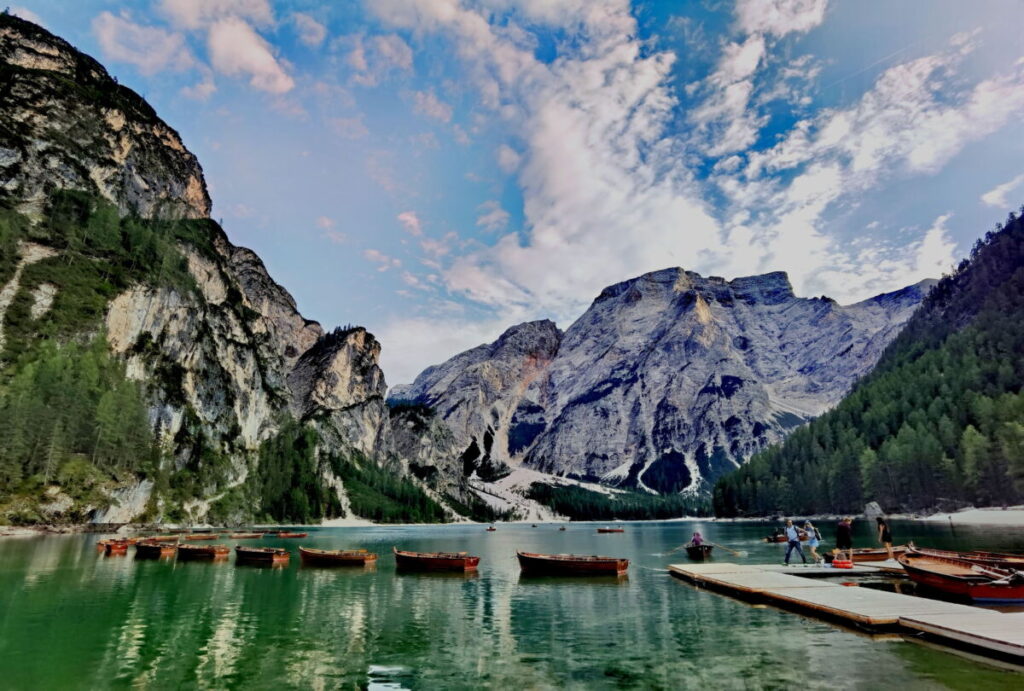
(793,542)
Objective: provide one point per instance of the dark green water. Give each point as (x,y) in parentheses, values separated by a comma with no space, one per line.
(70,618)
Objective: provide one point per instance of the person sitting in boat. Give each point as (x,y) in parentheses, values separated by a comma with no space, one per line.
(697,540)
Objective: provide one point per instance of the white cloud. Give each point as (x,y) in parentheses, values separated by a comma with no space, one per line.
(411,222)
(998,195)
(779,17)
(493,217)
(383,261)
(237,50)
(149,48)
(427,103)
(196,14)
(508,158)
(373,59)
(348,128)
(311,32)
(27,15)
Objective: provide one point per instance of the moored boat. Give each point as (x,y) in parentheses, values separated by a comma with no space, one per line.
(336,557)
(611,530)
(782,538)
(195,537)
(862,554)
(202,551)
(262,555)
(980,583)
(162,538)
(998,559)
(534,564)
(115,546)
(245,536)
(698,552)
(154,549)
(286,534)
(435,561)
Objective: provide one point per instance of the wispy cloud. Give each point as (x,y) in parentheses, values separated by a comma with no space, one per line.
(998,195)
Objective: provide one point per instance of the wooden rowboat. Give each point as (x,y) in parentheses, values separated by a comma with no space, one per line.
(435,561)
(186,552)
(336,557)
(978,582)
(1001,560)
(262,555)
(491,529)
(698,552)
(533,564)
(611,530)
(876,553)
(283,534)
(161,538)
(782,538)
(152,549)
(115,546)
(246,536)
(202,536)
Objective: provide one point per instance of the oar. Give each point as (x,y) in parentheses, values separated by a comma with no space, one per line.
(730,551)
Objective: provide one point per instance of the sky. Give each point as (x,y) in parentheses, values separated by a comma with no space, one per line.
(439,170)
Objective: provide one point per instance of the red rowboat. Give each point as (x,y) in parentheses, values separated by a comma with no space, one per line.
(292,534)
(491,529)
(246,536)
(262,555)
(161,538)
(959,577)
(202,536)
(202,551)
(998,559)
(877,553)
(435,561)
(570,565)
(115,546)
(782,538)
(611,530)
(336,557)
(152,549)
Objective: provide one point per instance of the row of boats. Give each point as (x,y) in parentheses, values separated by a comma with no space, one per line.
(530,563)
(990,577)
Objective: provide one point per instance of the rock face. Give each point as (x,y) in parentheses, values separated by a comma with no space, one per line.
(665,382)
(228,363)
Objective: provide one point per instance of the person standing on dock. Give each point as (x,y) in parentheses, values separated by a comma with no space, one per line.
(885,535)
(813,540)
(793,542)
(844,538)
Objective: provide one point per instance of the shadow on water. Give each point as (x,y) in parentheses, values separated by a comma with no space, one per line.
(574,581)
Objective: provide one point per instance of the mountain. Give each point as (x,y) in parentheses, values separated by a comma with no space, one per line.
(939,422)
(150,369)
(666,382)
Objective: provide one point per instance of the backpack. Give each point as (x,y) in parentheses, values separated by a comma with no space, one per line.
(817,535)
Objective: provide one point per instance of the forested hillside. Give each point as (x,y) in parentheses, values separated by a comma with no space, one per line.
(939,420)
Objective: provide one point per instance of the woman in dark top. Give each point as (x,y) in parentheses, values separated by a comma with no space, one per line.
(844,538)
(885,535)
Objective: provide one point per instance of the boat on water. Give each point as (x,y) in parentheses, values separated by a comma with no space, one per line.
(491,528)
(114,546)
(562,528)
(435,561)
(262,555)
(155,549)
(611,530)
(161,538)
(245,536)
(782,538)
(979,582)
(698,552)
(534,564)
(195,537)
(1001,560)
(286,534)
(862,554)
(186,552)
(336,557)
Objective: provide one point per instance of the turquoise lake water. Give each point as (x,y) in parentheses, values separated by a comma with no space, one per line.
(71,618)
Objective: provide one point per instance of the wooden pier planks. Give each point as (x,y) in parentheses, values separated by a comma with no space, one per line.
(987,630)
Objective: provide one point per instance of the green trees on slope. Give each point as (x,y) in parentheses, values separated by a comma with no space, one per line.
(941,417)
(585,505)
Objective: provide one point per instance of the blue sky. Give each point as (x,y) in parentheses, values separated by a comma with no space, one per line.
(438,170)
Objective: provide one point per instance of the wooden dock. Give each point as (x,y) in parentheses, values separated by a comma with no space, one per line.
(989,632)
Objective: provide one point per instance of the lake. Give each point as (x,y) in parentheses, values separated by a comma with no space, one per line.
(73,618)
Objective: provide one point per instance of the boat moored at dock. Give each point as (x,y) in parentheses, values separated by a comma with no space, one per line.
(187,552)
(980,583)
(287,534)
(154,549)
(434,561)
(199,537)
(262,555)
(336,557)
(534,564)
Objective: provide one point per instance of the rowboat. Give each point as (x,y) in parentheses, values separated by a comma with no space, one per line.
(153,549)
(336,557)
(246,536)
(161,538)
(562,528)
(1001,560)
(202,551)
(978,582)
(262,555)
(534,564)
(611,530)
(698,552)
(115,546)
(783,538)
(435,561)
(877,553)
(491,529)
(202,536)
(283,534)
